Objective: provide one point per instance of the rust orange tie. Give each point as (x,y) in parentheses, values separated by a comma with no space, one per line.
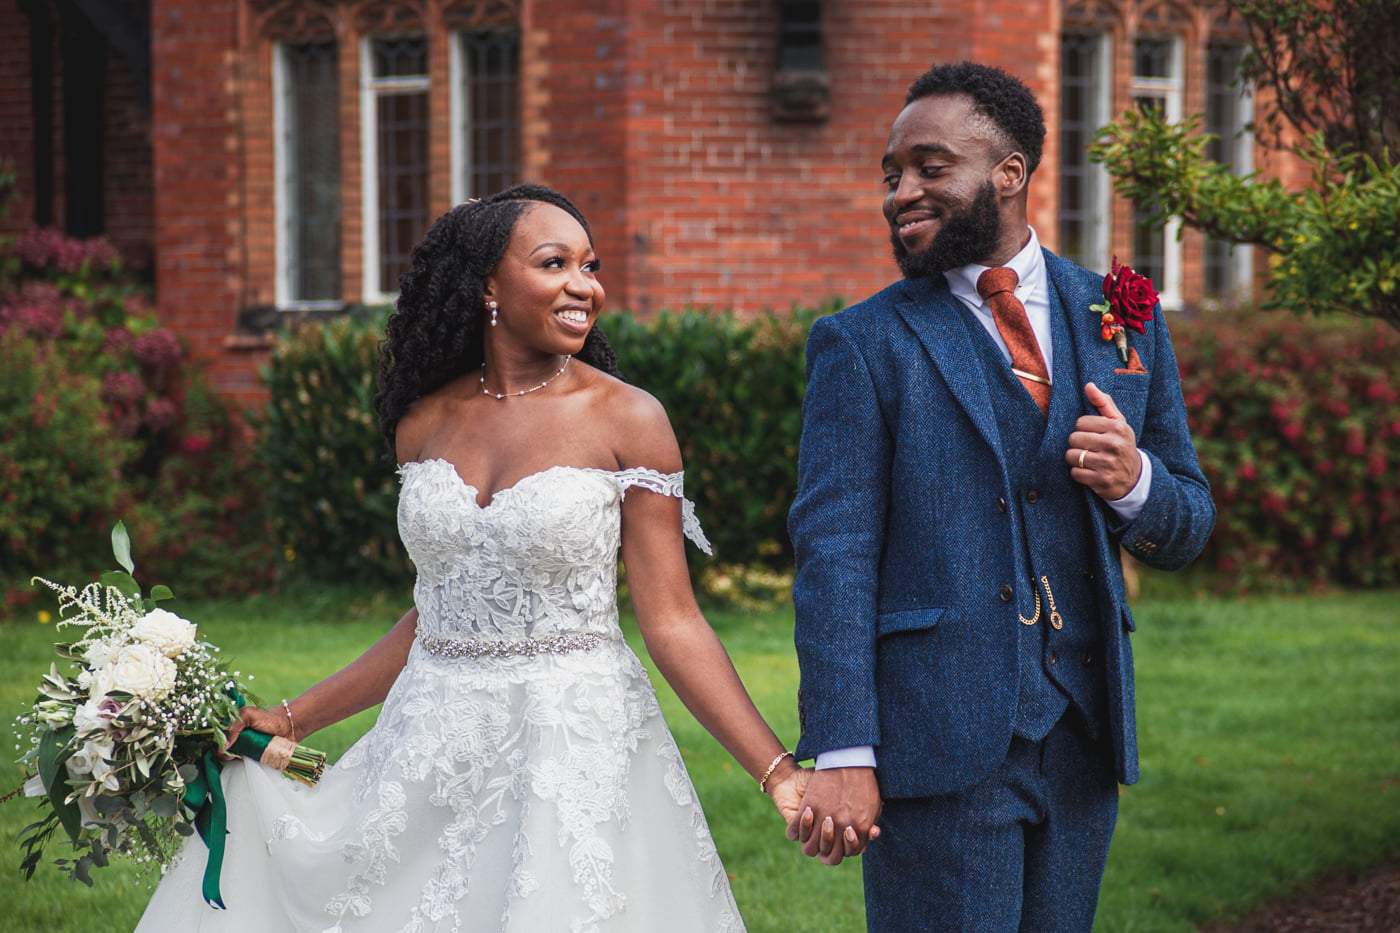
(998,289)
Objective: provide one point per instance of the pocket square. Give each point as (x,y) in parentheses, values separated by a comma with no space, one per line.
(1135,367)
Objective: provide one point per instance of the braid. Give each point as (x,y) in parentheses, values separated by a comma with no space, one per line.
(435,333)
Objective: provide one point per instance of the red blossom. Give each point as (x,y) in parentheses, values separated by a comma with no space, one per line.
(1130,295)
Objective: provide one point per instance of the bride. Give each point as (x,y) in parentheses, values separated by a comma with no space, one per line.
(520,776)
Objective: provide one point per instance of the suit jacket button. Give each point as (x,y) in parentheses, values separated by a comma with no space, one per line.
(1001,505)
(1033,495)
(1007,592)
(1053,659)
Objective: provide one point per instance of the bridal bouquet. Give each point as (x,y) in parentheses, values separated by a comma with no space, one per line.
(124,738)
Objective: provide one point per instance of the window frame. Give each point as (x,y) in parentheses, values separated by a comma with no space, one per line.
(283,197)
(371,88)
(1171,90)
(1097,184)
(1240,146)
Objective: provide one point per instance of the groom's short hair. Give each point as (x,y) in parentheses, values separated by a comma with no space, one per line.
(996,95)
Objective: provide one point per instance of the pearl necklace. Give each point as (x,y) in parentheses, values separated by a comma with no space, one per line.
(504,395)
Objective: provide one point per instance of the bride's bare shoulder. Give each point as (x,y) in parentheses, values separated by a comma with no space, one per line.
(638,427)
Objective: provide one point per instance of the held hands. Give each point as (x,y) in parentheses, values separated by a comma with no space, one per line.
(838,814)
(1103,452)
(787,786)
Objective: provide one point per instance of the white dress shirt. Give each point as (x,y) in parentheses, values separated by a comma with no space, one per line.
(1033,288)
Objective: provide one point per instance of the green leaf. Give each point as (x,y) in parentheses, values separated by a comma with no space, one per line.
(124,583)
(161,591)
(121,547)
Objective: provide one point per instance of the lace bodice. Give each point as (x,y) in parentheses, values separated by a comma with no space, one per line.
(539,560)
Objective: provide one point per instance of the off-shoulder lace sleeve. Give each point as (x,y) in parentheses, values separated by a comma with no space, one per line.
(668,484)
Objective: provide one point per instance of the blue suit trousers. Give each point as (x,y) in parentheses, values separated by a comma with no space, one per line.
(1022,851)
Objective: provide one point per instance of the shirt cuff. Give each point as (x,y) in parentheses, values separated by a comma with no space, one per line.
(859,756)
(1130,506)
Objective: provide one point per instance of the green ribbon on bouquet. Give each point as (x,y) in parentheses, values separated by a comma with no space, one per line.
(205,796)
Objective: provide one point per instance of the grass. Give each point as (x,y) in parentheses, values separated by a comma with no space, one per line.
(1270,755)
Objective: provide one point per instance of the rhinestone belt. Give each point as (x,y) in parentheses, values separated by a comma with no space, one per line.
(525,647)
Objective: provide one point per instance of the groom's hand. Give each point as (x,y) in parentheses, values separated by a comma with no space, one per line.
(1103,452)
(838,814)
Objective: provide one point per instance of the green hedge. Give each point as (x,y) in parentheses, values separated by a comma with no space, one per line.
(733,389)
(1296,420)
(333,495)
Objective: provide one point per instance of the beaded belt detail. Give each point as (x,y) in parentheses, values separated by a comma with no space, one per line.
(526,647)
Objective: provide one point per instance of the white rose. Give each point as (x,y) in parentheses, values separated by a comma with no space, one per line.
(139,670)
(100,653)
(165,631)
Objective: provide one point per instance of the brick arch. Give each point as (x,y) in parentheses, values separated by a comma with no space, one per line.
(389,16)
(1106,15)
(301,19)
(1169,17)
(479,14)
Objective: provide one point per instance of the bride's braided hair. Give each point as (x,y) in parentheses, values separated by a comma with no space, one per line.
(435,334)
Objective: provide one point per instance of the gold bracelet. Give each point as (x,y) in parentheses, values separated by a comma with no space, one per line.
(763,781)
(290,721)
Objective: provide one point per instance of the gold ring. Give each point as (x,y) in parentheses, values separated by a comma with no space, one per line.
(1082,455)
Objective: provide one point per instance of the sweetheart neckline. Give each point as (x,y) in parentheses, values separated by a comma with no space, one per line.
(476,490)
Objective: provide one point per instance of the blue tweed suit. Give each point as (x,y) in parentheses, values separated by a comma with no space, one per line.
(912,559)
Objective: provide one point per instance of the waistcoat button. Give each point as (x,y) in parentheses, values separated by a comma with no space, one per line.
(1007,592)
(1033,495)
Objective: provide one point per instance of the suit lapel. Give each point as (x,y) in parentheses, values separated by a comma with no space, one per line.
(933,314)
(1096,359)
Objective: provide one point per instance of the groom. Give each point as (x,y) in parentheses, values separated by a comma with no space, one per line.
(974,453)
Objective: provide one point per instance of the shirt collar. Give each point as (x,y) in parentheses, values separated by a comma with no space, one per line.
(1028,264)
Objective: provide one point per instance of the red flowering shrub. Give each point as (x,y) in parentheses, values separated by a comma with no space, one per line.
(1297,422)
(102,417)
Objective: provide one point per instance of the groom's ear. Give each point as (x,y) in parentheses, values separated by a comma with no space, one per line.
(1009,176)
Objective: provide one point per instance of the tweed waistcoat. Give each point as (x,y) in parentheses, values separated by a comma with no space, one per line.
(1060,649)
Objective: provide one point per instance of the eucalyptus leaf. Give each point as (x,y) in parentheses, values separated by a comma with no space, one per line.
(121,547)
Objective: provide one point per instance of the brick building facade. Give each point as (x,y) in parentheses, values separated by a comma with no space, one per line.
(273,157)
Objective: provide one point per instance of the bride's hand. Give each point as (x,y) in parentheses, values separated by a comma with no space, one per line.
(787,791)
(273,722)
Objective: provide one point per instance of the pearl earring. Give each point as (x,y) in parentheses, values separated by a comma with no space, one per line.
(491,305)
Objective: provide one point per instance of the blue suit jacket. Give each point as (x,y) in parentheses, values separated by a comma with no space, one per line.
(905,543)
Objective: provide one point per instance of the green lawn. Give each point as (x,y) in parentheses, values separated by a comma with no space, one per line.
(1270,733)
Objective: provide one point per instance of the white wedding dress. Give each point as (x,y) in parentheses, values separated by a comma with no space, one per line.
(520,776)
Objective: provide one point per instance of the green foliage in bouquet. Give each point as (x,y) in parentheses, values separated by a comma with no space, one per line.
(123,740)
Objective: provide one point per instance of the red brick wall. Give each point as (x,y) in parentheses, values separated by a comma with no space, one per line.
(16,116)
(197,157)
(654,115)
(726,207)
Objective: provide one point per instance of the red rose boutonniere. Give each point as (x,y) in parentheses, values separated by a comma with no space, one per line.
(1128,300)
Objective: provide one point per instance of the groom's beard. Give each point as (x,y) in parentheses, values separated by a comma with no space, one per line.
(969,235)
